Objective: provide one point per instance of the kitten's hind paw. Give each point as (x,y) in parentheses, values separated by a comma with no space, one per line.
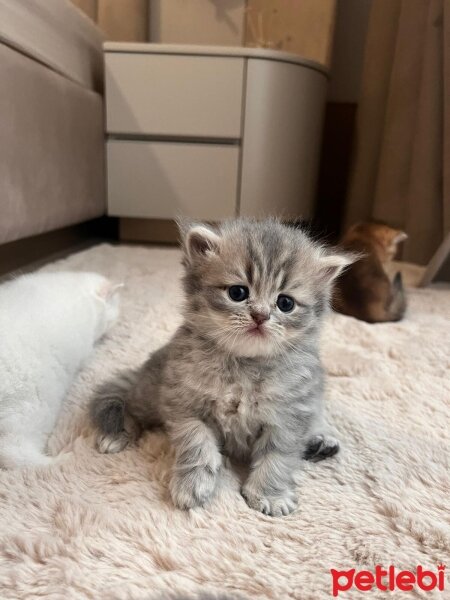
(274,506)
(110,444)
(320,447)
(63,457)
(193,487)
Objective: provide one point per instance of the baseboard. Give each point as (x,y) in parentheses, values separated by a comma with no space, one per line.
(158,231)
(29,253)
(438,269)
(165,231)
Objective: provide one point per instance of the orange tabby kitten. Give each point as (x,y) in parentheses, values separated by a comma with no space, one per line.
(364,290)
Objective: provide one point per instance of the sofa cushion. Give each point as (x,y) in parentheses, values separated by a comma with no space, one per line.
(57,34)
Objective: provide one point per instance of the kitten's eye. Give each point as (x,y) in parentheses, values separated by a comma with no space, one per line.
(238,293)
(285,303)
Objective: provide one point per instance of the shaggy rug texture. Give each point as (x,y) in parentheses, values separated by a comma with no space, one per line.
(103,526)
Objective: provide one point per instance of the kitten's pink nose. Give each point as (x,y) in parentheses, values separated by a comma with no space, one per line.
(260,317)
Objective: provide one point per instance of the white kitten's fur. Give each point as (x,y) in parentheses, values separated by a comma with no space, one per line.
(49,323)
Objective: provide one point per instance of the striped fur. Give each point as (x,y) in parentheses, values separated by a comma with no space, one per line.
(220,388)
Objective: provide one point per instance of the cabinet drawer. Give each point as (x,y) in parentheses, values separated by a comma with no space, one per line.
(199,96)
(163,180)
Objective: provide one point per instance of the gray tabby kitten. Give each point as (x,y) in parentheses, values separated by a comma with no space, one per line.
(242,376)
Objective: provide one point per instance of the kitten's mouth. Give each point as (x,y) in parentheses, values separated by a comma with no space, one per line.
(257,330)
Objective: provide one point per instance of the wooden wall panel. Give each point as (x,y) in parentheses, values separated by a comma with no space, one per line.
(217,22)
(89,7)
(334,170)
(304,27)
(120,20)
(124,20)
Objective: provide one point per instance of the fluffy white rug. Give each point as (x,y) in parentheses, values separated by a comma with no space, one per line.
(104,527)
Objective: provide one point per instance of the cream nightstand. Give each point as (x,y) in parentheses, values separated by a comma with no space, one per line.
(210,132)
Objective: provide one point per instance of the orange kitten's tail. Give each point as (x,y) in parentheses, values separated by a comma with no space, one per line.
(397,305)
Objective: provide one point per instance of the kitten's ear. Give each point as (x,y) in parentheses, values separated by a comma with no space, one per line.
(400,236)
(109,290)
(332,265)
(201,241)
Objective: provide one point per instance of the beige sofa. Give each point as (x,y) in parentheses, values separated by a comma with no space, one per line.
(51,118)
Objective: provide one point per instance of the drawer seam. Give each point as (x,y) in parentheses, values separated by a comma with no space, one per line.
(181,139)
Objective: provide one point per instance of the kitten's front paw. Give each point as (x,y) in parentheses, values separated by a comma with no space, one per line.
(192,487)
(320,447)
(111,444)
(275,506)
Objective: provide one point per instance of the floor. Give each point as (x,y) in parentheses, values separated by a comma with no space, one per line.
(103,526)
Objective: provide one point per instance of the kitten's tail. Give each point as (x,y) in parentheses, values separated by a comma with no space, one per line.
(397,305)
(17,451)
(116,428)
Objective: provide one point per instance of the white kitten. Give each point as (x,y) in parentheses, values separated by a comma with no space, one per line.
(49,323)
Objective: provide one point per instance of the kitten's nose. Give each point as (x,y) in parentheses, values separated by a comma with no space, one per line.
(260,317)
